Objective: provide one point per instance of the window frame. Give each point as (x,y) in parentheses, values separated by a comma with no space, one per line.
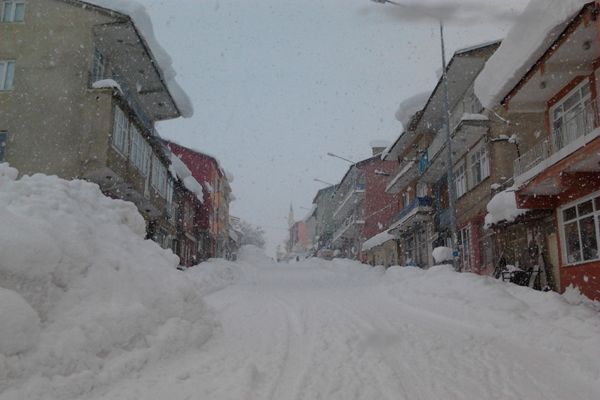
(588,98)
(4,86)
(13,11)
(123,132)
(460,179)
(481,156)
(99,66)
(159,176)
(595,214)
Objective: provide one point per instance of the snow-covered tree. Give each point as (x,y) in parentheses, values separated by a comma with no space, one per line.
(251,234)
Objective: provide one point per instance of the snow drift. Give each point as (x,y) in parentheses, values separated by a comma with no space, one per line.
(84,298)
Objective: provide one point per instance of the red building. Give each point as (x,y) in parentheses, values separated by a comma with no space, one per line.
(213,221)
(554,102)
(363,208)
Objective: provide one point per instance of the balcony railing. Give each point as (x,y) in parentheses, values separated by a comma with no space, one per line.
(570,131)
(356,189)
(348,222)
(418,202)
(531,158)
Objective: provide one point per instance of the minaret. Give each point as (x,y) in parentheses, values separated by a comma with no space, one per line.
(291,220)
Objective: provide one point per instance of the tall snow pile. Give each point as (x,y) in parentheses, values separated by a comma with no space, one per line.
(503,208)
(84,298)
(442,254)
(536,29)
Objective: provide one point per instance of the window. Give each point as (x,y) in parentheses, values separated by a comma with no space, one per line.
(3,139)
(140,151)
(7,75)
(98,66)
(572,117)
(422,190)
(480,165)
(405,199)
(120,131)
(13,11)
(159,176)
(580,224)
(460,180)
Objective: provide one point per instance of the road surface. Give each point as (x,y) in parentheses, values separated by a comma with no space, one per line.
(310,331)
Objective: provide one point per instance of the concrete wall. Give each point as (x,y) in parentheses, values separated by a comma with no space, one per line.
(47,112)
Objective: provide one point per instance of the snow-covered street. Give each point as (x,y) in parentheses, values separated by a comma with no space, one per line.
(339,330)
(94,311)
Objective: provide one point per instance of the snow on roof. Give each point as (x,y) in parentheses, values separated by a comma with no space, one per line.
(377,240)
(410,107)
(143,23)
(107,84)
(229,176)
(537,28)
(474,117)
(503,208)
(179,170)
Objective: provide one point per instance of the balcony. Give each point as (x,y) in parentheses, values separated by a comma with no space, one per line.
(418,209)
(355,194)
(570,136)
(405,175)
(349,227)
(469,130)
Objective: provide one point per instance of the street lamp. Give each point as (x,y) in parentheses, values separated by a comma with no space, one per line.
(341,158)
(451,187)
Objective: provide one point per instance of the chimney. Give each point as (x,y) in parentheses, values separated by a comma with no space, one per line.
(377,150)
(378,146)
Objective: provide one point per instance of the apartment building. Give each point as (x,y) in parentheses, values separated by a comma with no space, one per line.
(80,92)
(363,208)
(550,98)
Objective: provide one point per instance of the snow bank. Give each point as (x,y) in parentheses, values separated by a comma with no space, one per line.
(536,29)
(20,330)
(503,208)
(377,240)
(442,254)
(524,318)
(143,23)
(85,300)
(410,107)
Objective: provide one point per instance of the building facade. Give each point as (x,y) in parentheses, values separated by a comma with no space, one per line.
(552,100)
(81,103)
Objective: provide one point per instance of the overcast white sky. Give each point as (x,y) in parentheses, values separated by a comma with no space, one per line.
(276,84)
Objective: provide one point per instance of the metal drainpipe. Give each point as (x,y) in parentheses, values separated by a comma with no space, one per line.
(451,186)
